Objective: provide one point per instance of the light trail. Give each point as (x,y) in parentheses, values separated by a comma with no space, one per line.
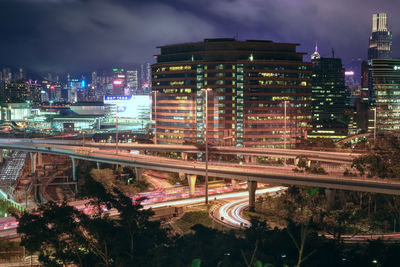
(237,211)
(231,213)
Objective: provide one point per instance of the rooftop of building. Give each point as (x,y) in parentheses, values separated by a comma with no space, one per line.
(228,50)
(87,103)
(229,40)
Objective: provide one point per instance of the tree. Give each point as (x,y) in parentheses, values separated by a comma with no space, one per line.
(383,162)
(63,235)
(341,220)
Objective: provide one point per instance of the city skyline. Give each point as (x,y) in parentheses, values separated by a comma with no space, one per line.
(81,36)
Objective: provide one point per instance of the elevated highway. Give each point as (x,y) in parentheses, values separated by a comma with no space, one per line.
(321,156)
(263,174)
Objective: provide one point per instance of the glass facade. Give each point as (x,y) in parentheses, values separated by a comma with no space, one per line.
(328,99)
(386,80)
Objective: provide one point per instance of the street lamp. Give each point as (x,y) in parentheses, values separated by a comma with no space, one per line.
(374,126)
(116,128)
(155,117)
(206,140)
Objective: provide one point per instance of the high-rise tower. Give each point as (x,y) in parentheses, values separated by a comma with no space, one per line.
(380,41)
(259,93)
(328,99)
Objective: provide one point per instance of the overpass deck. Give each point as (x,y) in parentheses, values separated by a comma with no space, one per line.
(264,175)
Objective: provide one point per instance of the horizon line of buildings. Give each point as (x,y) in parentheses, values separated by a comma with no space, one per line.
(248,93)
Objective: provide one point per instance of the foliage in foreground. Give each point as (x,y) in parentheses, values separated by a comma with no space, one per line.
(383,161)
(63,235)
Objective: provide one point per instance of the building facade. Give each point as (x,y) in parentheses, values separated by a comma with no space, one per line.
(328,99)
(380,41)
(386,81)
(251,85)
(20,92)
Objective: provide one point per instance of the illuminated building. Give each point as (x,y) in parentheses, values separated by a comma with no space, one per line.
(77,90)
(380,47)
(54,91)
(119,82)
(132,81)
(7,75)
(21,74)
(380,41)
(18,112)
(386,81)
(250,82)
(21,92)
(134,112)
(328,99)
(145,78)
(315,55)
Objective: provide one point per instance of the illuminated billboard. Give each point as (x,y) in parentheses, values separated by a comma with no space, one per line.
(134,107)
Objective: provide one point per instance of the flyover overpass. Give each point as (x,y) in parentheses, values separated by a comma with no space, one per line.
(332,157)
(252,175)
(322,156)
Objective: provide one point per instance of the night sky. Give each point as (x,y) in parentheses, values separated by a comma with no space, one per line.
(84,35)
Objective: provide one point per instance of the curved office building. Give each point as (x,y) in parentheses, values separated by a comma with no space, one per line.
(250,86)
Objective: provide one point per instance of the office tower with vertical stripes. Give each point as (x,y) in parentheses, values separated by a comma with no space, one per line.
(380,41)
(250,84)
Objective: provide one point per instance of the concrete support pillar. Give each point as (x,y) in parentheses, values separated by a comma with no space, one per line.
(252,186)
(98,165)
(184,155)
(1,155)
(73,169)
(247,159)
(330,198)
(296,161)
(33,161)
(253,159)
(39,159)
(192,183)
(234,184)
(139,173)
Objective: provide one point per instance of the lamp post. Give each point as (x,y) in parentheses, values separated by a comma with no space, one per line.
(206,141)
(374,126)
(155,117)
(116,129)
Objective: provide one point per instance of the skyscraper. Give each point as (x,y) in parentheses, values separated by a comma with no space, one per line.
(328,99)
(251,85)
(119,82)
(386,80)
(21,75)
(7,75)
(132,81)
(20,92)
(380,41)
(380,47)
